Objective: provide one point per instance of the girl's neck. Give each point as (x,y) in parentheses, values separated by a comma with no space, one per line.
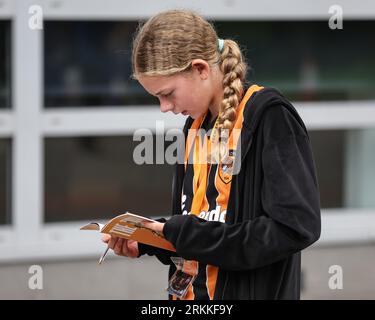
(215,106)
(217,98)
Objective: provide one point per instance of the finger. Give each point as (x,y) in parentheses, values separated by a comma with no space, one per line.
(112,242)
(156,226)
(133,249)
(125,248)
(148,224)
(118,246)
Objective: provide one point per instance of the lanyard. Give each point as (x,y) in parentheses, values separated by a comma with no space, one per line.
(201,169)
(202,150)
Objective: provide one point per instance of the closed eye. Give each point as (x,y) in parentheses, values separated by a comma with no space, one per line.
(167,95)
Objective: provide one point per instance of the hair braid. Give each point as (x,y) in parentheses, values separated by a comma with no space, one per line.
(234,70)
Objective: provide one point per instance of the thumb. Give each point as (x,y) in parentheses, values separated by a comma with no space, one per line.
(156,226)
(106,238)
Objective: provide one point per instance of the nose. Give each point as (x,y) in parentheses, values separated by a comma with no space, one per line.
(166,106)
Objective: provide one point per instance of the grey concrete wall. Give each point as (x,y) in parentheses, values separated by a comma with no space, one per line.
(116,278)
(358,266)
(146,278)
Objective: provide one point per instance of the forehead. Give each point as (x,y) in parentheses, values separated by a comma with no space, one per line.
(156,84)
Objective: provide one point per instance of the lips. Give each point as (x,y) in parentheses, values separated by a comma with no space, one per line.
(184,113)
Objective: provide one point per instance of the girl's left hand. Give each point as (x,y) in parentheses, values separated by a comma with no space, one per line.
(156,226)
(121,246)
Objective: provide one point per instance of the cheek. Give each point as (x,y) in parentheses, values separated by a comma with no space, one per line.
(191,101)
(183,102)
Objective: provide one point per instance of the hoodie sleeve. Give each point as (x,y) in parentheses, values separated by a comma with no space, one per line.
(290,217)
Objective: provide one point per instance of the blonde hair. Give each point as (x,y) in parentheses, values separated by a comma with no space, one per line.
(167,43)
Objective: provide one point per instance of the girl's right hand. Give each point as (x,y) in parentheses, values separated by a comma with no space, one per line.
(121,247)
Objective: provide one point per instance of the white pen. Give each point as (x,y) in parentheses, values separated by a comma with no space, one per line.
(103,255)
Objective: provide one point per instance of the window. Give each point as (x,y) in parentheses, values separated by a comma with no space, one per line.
(306,60)
(90,65)
(97,178)
(4,64)
(5,182)
(344,160)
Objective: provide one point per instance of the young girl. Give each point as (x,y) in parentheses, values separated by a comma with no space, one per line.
(242,221)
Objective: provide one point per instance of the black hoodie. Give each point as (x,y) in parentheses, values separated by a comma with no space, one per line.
(273,210)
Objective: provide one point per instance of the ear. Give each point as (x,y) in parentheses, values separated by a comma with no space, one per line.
(201,67)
